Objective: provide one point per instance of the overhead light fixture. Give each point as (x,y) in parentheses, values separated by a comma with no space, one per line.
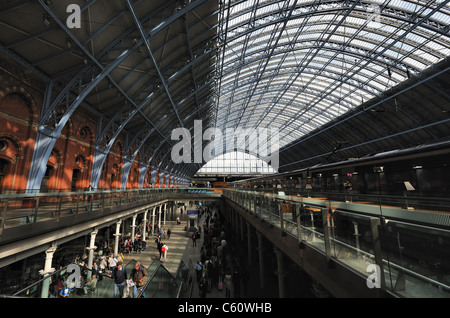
(46,20)
(408,186)
(69,45)
(378,169)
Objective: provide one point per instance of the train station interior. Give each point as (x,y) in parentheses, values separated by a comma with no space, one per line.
(245,149)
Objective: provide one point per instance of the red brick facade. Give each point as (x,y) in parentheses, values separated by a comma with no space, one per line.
(70,164)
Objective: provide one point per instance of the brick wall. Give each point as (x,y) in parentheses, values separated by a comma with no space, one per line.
(70,165)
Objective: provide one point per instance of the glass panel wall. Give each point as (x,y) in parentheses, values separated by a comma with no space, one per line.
(410,258)
(236,163)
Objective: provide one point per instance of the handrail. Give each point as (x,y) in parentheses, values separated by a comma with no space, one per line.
(40,281)
(23,290)
(149,278)
(438,218)
(256,202)
(155,271)
(30,208)
(32,193)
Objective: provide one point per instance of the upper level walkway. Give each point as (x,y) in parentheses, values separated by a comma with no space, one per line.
(29,220)
(169,276)
(410,247)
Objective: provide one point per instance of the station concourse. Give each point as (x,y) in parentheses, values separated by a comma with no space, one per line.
(315,134)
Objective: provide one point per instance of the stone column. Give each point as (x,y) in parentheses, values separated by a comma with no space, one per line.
(117,237)
(242,227)
(261,259)
(91,250)
(48,270)
(236,225)
(153,219)
(249,244)
(357,235)
(299,227)
(133,228)
(159,216)
(144,227)
(280,272)
(165,212)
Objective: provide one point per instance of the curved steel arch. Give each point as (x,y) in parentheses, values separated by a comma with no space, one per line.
(47,136)
(273,57)
(245,28)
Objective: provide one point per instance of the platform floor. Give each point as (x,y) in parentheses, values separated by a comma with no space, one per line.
(181,247)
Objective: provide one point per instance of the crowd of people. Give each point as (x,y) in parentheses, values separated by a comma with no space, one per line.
(218,265)
(123,283)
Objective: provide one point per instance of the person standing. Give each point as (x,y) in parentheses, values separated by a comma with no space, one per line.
(198,270)
(203,287)
(227,282)
(158,241)
(164,249)
(139,277)
(160,245)
(237,283)
(91,284)
(65,291)
(194,239)
(112,262)
(103,266)
(119,274)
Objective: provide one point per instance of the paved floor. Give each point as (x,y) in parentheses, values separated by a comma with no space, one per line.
(177,244)
(181,247)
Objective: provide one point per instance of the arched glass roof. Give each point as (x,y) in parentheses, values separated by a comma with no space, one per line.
(308,68)
(298,65)
(236,162)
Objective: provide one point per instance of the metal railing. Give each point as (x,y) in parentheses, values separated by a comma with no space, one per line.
(413,253)
(18,209)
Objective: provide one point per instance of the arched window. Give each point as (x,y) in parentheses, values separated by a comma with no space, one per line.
(236,163)
(3,169)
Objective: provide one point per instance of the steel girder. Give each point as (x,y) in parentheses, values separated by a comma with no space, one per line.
(246,27)
(378,56)
(47,136)
(287,152)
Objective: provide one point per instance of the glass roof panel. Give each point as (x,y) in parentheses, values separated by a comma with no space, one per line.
(300,64)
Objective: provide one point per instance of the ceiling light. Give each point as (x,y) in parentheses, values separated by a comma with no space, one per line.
(46,20)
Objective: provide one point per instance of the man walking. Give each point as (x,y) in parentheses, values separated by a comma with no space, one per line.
(139,278)
(119,274)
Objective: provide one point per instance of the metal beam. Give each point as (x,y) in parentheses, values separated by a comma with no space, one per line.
(147,45)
